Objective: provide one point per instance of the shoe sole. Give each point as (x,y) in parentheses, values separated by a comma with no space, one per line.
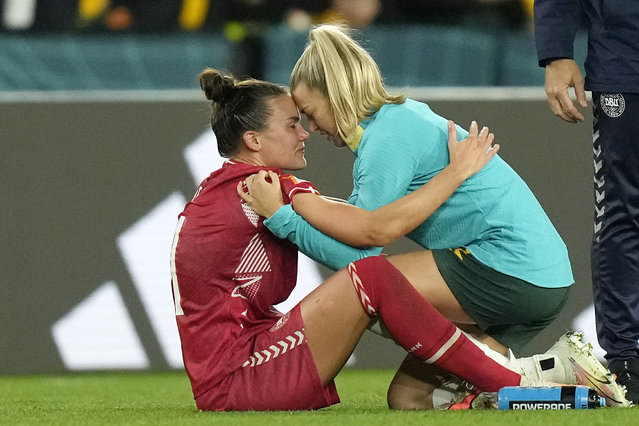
(477,401)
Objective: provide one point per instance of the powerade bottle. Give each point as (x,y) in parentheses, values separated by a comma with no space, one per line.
(548,398)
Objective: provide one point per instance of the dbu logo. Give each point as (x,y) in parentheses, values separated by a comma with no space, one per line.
(611,102)
(613,105)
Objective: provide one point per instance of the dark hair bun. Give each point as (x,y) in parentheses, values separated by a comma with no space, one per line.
(216,86)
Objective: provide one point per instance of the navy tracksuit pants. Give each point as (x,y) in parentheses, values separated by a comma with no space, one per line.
(615,247)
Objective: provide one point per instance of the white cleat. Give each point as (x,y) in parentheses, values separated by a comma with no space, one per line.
(581,367)
(458,394)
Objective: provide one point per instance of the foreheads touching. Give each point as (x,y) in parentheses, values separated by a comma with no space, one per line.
(337,67)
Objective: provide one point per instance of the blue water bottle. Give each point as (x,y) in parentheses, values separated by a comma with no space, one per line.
(548,398)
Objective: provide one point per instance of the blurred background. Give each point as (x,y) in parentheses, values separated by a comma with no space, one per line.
(163,44)
(104,136)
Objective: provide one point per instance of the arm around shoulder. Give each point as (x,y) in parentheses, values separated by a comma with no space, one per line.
(362,228)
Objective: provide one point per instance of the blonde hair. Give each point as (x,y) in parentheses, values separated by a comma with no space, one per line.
(334,64)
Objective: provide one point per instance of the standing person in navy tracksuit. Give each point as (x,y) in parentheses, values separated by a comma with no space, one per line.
(612,74)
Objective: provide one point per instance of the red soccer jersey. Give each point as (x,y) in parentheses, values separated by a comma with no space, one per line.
(228,270)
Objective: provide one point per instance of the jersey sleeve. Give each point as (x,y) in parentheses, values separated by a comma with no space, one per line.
(556,25)
(292,185)
(286,223)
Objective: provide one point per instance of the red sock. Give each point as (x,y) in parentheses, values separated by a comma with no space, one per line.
(420,329)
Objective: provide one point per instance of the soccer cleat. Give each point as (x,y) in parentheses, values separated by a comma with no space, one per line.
(452,392)
(581,367)
(478,400)
(627,373)
(458,394)
(465,404)
(484,401)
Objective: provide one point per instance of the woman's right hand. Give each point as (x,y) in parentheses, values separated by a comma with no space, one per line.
(262,191)
(470,155)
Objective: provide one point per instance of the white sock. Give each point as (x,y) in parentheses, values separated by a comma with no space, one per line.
(536,370)
(508,361)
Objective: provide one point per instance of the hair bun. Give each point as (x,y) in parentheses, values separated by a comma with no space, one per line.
(216,86)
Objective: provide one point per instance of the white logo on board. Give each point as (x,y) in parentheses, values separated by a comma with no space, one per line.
(98,333)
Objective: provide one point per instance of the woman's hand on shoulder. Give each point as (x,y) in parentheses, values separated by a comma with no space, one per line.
(470,155)
(262,191)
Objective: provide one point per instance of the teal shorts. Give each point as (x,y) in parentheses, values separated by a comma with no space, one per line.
(510,310)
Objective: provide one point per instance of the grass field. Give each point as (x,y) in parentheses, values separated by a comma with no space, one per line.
(166,399)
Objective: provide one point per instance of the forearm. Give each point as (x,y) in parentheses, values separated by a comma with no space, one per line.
(400,217)
(363,228)
(285,223)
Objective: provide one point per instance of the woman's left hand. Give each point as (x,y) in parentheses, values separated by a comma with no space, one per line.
(262,192)
(468,156)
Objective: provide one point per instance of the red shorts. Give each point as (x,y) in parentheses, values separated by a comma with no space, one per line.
(279,375)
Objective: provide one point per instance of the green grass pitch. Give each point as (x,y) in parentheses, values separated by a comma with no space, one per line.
(166,399)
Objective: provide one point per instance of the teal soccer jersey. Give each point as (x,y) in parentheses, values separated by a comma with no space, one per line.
(493,214)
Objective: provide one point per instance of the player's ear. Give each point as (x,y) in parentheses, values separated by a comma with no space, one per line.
(251,141)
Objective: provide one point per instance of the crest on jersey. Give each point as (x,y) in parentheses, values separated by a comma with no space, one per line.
(613,104)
